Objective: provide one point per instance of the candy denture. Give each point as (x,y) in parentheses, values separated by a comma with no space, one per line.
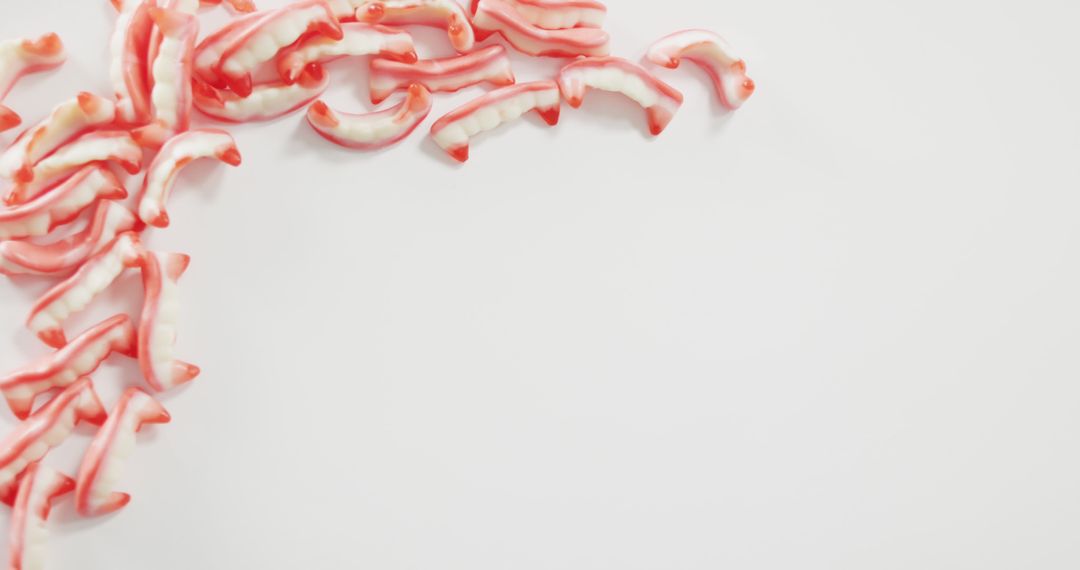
(496,16)
(67,120)
(713,54)
(660,100)
(39,487)
(157,326)
(488,65)
(60,205)
(66,255)
(173,157)
(446,14)
(372,130)
(359,39)
(170,71)
(266,102)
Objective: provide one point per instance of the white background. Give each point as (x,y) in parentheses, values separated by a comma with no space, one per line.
(837,330)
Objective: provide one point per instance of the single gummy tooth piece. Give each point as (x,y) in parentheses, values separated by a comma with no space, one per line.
(266,102)
(453,131)
(446,14)
(47,428)
(170,68)
(490,65)
(558,14)
(20,57)
(75,293)
(98,146)
(714,55)
(260,42)
(178,152)
(67,120)
(496,16)
(157,326)
(359,39)
(660,100)
(371,131)
(209,51)
(38,488)
(127,66)
(60,205)
(78,358)
(104,459)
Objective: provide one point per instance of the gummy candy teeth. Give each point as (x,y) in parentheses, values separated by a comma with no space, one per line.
(454,130)
(266,102)
(24,56)
(260,42)
(558,14)
(490,65)
(78,358)
(60,205)
(110,146)
(241,6)
(64,256)
(174,156)
(47,428)
(497,16)
(77,292)
(38,488)
(128,67)
(713,54)
(359,39)
(446,14)
(660,100)
(170,76)
(209,51)
(372,130)
(67,120)
(157,326)
(114,443)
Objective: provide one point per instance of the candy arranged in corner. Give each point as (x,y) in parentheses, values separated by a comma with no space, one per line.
(162,65)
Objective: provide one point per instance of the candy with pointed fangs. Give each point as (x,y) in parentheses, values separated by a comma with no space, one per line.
(21,57)
(68,120)
(497,16)
(454,130)
(660,100)
(241,6)
(47,428)
(209,51)
(174,156)
(266,102)
(371,131)
(127,67)
(75,293)
(713,54)
(170,76)
(61,204)
(39,486)
(558,14)
(157,326)
(360,39)
(261,42)
(98,146)
(66,255)
(114,443)
(446,14)
(78,358)
(490,65)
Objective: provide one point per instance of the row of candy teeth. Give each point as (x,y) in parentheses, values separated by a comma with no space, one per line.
(157,325)
(446,14)
(370,131)
(23,56)
(170,69)
(180,151)
(489,65)
(67,120)
(38,487)
(61,204)
(359,39)
(497,16)
(660,100)
(99,146)
(713,54)
(266,102)
(558,14)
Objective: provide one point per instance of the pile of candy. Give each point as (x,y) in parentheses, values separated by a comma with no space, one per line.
(61,170)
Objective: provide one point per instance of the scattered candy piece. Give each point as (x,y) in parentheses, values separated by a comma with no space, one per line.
(157,326)
(175,155)
(21,57)
(371,131)
(171,60)
(660,100)
(490,65)
(209,51)
(454,130)
(360,39)
(66,255)
(114,443)
(128,68)
(266,102)
(39,486)
(67,120)
(446,14)
(497,16)
(713,54)
(110,146)
(558,14)
(60,205)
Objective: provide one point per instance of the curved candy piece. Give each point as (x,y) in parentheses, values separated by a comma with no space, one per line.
(39,486)
(209,51)
(48,428)
(64,256)
(76,292)
(60,205)
(23,56)
(78,358)
(453,131)
(242,6)
(372,130)
(113,444)
(660,100)
(8,119)
(111,146)
(558,14)
(157,326)
(175,155)
(713,54)
(262,41)
(497,16)
(266,102)
(359,39)
(68,120)
(442,75)
(171,63)
(127,68)
(446,14)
